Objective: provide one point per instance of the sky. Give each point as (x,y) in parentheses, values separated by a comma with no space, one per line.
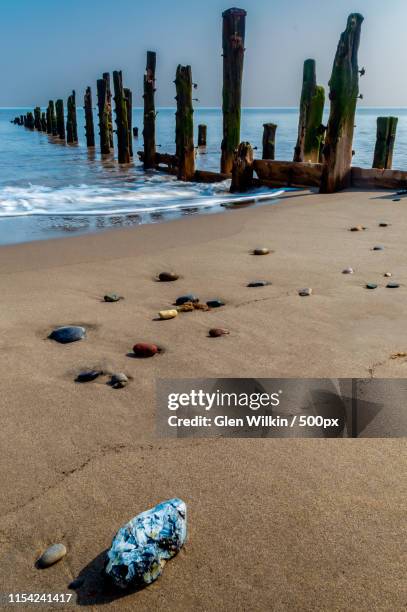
(49,47)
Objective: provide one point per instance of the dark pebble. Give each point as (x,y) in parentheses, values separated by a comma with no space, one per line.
(259,283)
(112,297)
(216,332)
(396,200)
(167,277)
(384,224)
(88,375)
(142,349)
(262,251)
(378,248)
(392,285)
(215,303)
(186,298)
(67,334)
(371,286)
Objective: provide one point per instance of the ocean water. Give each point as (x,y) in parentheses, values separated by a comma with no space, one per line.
(48,189)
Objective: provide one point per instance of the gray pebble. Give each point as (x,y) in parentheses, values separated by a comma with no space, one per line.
(118,381)
(371,286)
(305,292)
(67,334)
(50,556)
(347,271)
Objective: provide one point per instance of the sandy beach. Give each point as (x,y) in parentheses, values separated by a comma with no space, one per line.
(273,524)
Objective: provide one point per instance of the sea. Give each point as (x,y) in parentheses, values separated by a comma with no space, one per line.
(49,190)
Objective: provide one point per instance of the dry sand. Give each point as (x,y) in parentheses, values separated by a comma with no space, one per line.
(273,524)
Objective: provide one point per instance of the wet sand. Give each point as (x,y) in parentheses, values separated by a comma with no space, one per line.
(273,524)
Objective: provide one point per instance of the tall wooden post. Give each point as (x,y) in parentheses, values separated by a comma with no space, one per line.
(88,108)
(242,170)
(184,130)
(269,140)
(103,112)
(149,111)
(202,131)
(37,118)
(106,77)
(30,121)
(122,126)
(385,138)
(311,110)
(60,123)
(234,26)
(129,106)
(49,119)
(43,122)
(344,92)
(54,130)
(71,122)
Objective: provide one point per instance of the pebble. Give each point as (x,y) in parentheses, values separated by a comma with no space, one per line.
(187,307)
(388,274)
(259,283)
(347,271)
(357,228)
(88,375)
(392,285)
(262,251)
(168,314)
(305,292)
(378,248)
(215,332)
(142,349)
(50,556)
(396,200)
(215,303)
(371,286)
(118,381)
(112,297)
(167,277)
(141,548)
(186,298)
(199,306)
(67,334)
(384,224)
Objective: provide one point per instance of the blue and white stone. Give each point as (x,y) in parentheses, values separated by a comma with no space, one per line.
(142,547)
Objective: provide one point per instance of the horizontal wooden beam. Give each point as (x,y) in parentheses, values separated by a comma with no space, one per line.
(285,173)
(375,178)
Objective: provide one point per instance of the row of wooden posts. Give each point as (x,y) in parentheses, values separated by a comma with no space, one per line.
(325,151)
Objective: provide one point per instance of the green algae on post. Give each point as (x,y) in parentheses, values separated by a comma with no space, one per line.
(122,125)
(106,78)
(233,37)
(310,129)
(385,138)
(184,130)
(343,94)
(149,111)
(103,113)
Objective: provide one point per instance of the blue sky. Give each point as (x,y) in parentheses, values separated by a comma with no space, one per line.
(49,47)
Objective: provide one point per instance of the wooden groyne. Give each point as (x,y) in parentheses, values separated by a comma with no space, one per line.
(322,154)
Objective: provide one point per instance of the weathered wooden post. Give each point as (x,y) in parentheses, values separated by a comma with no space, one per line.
(54,129)
(129,106)
(37,118)
(122,126)
(30,121)
(234,26)
(49,119)
(311,110)
(71,123)
(269,140)
(106,77)
(43,122)
(88,108)
(202,131)
(242,170)
(59,107)
(184,130)
(103,112)
(135,132)
(385,138)
(343,94)
(149,111)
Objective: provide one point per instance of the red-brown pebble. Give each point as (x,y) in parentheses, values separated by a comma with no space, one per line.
(142,349)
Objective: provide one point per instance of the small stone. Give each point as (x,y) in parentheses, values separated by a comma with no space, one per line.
(378,248)
(118,381)
(396,200)
(357,228)
(50,556)
(168,277)
(168,314)
(112,297)
(392,285)
(199,306)
(186,298)
(347,271)
(88,375)
(259,283)
(215,303)
(305,292)
(141,548)
(142,349)
(384,224)
(388,274)
(371,286)
(187,307)
(216,332)
(261,251)
(67,334)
